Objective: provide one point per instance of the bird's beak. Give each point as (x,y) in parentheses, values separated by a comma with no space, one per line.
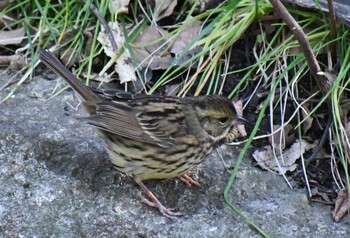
(239,120)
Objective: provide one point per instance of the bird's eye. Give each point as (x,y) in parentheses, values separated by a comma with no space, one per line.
(223,120)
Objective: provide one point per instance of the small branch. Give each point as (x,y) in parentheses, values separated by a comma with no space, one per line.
(333,30)
(105,25)
(323,83)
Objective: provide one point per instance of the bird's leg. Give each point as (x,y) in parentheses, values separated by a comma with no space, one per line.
(168,212)
(188,180)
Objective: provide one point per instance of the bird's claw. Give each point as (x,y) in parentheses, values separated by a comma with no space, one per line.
(167,212)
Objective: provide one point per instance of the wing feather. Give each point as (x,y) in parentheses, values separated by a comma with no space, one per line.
(149,119)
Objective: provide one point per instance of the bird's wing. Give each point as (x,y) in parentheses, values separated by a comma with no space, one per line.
(149,119)
(162,119)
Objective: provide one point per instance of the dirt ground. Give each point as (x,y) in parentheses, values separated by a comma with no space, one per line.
(57,181)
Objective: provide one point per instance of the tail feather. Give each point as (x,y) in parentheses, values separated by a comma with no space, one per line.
(55,65)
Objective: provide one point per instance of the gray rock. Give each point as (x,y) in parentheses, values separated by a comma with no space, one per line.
(341,7)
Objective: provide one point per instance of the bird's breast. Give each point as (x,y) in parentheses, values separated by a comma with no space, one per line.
(149,161)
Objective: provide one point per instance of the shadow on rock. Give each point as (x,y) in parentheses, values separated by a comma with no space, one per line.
(65,158)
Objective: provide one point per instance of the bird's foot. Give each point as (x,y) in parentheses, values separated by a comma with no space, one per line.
(167,212)
(189,181)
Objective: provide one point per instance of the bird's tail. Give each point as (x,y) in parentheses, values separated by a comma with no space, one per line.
(55,65)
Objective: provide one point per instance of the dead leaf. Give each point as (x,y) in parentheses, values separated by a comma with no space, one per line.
(185,37)
(12,37)
(118,6)
(89,38)
(342,205)
(4,3)
(203,5)
(238,105)
(153,56)
(318,195)
(99,78)
(15,62)
(172,90)
(70,56)
(163,8)
(307,118)
(282,163)
(282,138)
(347,128)
(123,65)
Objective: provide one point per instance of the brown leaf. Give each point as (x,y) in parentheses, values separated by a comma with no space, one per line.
(342,204)
(4,3)
(118,6)
(238,105)
(123,65)
(150,52)
(282,137)
(185,37)
(172,90)
(266,158)
(320,196)
(99,78)
(308,119)
(12,37)
(163,8)
(347,128)
(15,62)
(203,5)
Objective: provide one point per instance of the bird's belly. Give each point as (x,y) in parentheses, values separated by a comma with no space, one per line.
(147,161)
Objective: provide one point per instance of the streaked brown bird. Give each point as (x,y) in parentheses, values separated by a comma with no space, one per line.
(153,137)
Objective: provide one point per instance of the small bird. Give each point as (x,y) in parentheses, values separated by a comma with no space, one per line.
(153,137)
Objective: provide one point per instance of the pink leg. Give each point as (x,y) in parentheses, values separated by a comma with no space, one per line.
(168,212)
(189,181)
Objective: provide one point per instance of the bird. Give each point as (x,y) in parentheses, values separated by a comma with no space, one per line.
(153,137)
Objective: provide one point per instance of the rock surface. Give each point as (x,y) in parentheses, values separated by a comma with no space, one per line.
(57,181)
(341,7)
